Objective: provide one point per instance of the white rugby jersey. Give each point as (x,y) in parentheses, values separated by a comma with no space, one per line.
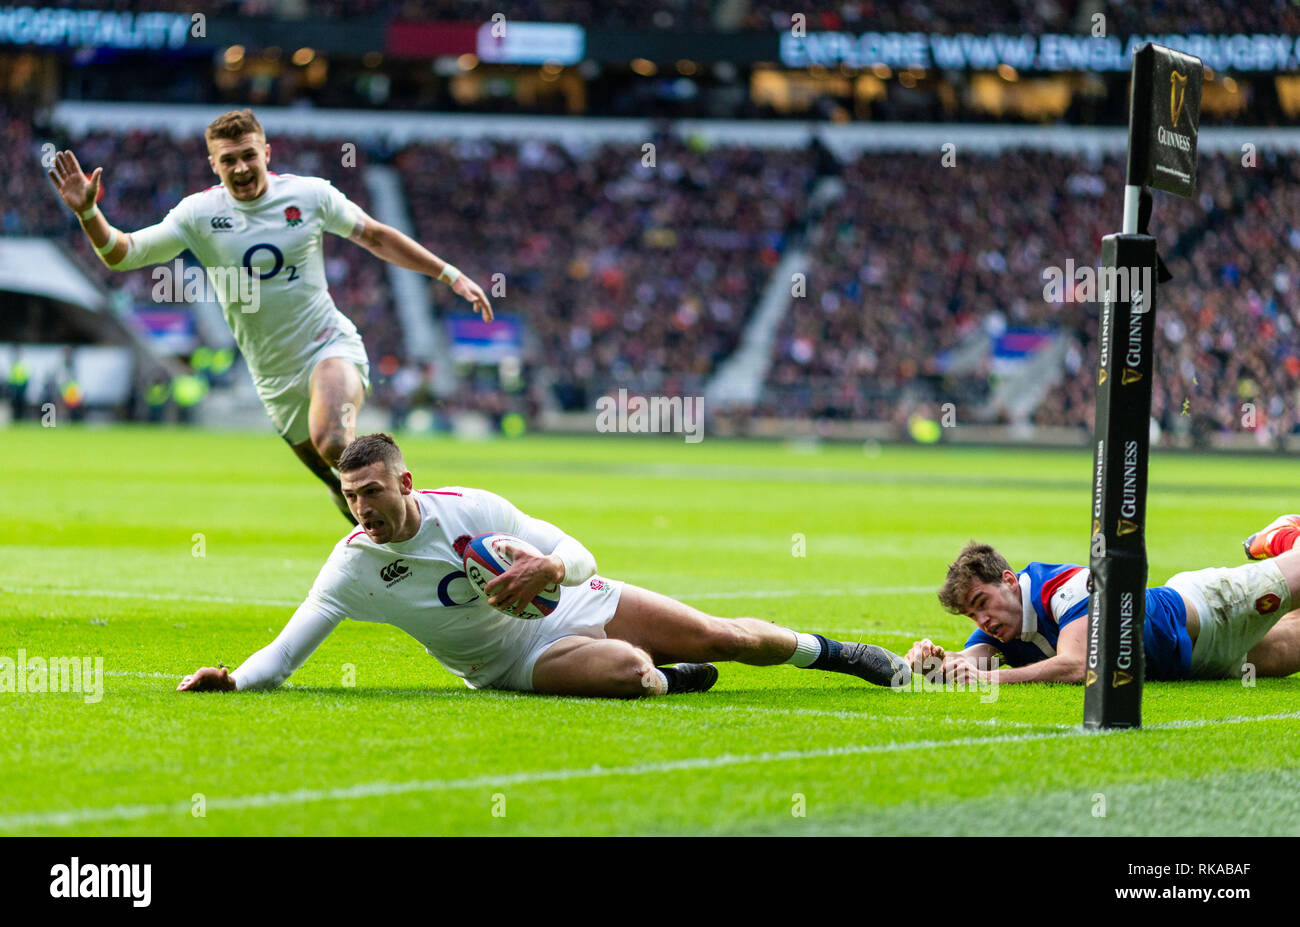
(278,238)
(419,585)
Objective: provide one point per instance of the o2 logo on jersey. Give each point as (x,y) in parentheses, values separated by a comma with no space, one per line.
(444,589)
(277,264)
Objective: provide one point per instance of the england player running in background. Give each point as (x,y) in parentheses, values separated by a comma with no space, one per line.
(1206,624)
(308,362)
(606,638)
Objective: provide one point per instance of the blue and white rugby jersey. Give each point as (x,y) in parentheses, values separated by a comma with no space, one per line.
(1054,594)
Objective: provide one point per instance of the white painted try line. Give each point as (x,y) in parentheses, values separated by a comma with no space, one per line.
(379,789)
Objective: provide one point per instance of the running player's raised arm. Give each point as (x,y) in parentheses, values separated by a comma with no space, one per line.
(118,250)
(395,247)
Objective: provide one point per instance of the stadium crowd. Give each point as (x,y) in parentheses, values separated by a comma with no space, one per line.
(628,274)
(897,283)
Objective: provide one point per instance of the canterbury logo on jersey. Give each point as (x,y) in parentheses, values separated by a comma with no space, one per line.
(222,223)
(395,572)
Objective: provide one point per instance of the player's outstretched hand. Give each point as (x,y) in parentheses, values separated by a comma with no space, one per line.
(474,293)
(527,576)
(208,679)
(958,669)
(925,656)
(77,190)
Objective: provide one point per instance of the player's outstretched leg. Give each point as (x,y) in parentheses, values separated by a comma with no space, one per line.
(671,631)
(337,392)
(1239,617)
(613,669)
(1278,654)
(1277,537)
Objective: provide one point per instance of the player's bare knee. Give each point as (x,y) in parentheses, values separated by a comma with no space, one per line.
(629,668)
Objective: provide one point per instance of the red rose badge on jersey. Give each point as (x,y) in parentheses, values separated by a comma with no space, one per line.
(292,216)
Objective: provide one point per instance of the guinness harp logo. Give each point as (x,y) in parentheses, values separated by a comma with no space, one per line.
(1177,94)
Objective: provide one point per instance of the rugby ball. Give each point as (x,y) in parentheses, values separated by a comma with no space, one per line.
(486,558)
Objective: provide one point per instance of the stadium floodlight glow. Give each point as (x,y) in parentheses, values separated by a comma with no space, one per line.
(1164,120)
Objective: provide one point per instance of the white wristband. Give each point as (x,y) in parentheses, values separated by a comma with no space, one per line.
(89,213)
(450,273)
(112,241)
(579,564)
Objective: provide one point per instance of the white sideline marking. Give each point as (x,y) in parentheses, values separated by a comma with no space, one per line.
(858,715)
(152,596)
(376,789)
(143,675)
(781,593)
(294,603)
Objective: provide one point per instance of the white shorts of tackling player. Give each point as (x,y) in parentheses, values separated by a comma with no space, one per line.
(287,399)
(1237,606)
(583,612)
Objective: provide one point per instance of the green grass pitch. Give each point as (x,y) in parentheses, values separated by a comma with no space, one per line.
(97,558)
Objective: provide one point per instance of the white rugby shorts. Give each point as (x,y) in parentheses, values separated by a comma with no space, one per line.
(583,612)
(288,398)
(1236,606)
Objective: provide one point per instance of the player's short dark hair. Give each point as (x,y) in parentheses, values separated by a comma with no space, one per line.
(233,125)
(368,449)
(977,563)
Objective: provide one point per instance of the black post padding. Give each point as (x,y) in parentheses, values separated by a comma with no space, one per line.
(1114,668)
(1164,119)
(1116,663)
